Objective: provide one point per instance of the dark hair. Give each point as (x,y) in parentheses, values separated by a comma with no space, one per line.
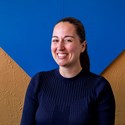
(80,30)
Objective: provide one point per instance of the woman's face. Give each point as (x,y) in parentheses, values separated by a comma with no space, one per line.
(66,46)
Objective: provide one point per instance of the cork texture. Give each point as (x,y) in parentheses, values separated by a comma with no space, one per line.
(115,74)
(13,84)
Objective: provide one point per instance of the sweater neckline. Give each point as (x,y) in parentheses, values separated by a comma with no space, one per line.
(81,73)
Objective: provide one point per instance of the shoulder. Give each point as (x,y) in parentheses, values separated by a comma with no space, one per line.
(42,74)
(37,80)
(101,85)
(98,81)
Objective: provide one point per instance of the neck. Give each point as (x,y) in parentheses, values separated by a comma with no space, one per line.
(69,72)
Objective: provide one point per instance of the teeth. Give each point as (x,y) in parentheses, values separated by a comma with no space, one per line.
(62,55)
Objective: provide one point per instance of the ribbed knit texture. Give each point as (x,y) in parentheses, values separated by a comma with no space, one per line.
(85,99)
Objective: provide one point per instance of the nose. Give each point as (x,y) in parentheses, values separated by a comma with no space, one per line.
(61,45)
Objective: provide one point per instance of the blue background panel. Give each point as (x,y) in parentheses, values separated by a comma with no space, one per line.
(26,28)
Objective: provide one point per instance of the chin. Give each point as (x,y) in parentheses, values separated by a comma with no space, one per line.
(61,64)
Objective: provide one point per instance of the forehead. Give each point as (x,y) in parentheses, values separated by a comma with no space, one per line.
(64,27)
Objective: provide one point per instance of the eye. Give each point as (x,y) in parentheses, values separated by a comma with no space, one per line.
(68,40)
(55,40)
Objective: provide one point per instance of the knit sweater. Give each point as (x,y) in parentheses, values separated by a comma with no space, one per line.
(51,99)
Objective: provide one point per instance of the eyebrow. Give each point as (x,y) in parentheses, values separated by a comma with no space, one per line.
(54,36)
(64,37)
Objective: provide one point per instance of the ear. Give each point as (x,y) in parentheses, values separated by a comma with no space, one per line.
(83,46)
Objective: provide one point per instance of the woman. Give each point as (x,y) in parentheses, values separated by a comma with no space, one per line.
(71,94)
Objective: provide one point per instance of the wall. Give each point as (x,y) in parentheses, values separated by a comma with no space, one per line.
(14,81)
(115,74)
(25,34)
(13,84)
(26,27)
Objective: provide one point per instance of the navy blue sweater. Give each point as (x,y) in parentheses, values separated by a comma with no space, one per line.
(51,99)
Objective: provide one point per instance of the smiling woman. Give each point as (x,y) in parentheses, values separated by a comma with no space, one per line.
(66,48)
(71,94)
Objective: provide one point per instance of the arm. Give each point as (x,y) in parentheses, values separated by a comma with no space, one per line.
(106,104)
(31,103)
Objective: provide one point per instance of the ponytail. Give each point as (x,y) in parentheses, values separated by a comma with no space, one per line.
(84,61)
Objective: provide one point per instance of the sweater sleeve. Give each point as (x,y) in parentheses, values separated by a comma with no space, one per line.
(31,102)
(106,103)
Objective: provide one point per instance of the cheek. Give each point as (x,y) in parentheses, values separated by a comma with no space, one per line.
(73,49)
(53,48)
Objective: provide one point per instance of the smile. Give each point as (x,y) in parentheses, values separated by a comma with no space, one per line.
(61,55)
